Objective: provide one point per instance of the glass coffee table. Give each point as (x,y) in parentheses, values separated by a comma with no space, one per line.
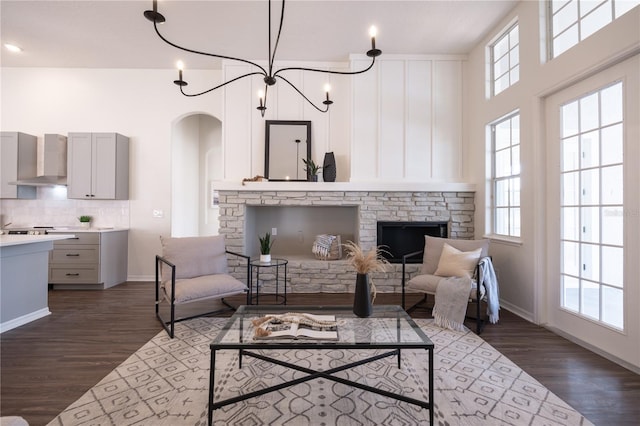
(389,328)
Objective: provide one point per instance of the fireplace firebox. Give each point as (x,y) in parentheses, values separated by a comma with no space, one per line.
(400,238)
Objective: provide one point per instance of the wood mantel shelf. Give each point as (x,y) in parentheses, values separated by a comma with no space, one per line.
(345,186)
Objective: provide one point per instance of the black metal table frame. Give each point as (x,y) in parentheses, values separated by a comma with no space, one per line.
(313,374)
(277,263)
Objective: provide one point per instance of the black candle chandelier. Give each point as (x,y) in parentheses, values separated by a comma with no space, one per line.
(270,75)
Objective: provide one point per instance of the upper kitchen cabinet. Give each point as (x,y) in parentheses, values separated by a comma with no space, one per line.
(98,166)
(18,158)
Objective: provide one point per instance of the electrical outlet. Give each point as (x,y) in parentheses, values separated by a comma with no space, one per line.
(158,213)
(274,231)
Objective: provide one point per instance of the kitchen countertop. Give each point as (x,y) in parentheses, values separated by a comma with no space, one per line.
(14,240)
(75,229)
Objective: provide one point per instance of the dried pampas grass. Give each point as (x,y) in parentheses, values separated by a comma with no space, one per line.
(365,262)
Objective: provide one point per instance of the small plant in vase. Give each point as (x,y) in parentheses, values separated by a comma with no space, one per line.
(312,169)
(85,221)
(365,263)
(265,247)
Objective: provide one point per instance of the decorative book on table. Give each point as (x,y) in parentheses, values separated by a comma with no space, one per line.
(296,326)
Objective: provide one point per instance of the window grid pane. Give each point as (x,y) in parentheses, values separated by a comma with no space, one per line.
(573,21)
(506,176)
(591,206)
(505,60)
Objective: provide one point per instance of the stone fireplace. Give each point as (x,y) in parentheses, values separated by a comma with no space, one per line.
(246,212)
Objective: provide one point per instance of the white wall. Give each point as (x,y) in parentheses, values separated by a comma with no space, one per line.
(244,128)
(211,169)
(196,161)
(521,264)
(400,121)
(144,105)
(141,104)
(407,119)
(185,167)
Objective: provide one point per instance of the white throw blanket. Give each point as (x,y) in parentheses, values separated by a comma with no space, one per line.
(490,282)
(452,297)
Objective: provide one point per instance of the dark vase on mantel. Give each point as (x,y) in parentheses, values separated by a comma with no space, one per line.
(362,306)
(329,167)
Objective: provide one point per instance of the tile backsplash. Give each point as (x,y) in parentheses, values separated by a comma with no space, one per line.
(52,208)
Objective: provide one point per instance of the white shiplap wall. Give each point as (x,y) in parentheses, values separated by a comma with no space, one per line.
(407,119)
(401,121)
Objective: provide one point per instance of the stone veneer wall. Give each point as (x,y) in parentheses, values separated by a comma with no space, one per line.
(336,276)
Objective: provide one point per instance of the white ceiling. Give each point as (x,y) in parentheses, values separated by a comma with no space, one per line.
(115,34)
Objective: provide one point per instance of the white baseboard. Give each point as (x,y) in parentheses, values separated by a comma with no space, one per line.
(138,278)
(516,310)
(17,322)
(612,358)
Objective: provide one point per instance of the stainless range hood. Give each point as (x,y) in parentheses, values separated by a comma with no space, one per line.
(51,163)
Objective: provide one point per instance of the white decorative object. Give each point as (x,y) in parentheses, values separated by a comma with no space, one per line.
(265,258)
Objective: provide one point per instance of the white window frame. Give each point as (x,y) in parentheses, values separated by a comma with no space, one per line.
(617,9)
(578,277)
(513,65)
(514,211)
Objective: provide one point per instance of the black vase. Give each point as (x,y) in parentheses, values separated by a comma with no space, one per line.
(362,299)
(329,167)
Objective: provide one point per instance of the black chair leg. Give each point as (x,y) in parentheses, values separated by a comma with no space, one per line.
(422,303)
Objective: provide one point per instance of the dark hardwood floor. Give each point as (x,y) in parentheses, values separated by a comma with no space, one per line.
(48,364)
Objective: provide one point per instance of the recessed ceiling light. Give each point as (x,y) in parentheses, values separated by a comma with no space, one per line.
(13,47)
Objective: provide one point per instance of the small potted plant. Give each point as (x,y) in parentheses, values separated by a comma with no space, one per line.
(265,247)
(85,221)
(312,169)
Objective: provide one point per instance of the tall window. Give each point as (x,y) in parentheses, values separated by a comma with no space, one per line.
(591,206)
(505,60)
(574,20)
(506,175)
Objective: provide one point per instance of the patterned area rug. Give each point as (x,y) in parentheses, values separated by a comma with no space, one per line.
(166,382)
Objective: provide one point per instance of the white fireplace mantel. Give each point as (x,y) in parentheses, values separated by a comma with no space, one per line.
(345,186)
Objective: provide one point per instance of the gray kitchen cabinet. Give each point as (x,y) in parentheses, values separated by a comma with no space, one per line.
(18,160)
(91,260)
(98,166)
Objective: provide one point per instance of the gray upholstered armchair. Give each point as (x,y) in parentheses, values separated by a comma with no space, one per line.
(435,269)
(194,269)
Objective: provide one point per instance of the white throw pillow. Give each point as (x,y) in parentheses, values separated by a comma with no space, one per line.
(433,250)
(456,263)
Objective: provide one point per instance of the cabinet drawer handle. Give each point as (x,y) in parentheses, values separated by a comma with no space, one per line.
(72,275)
(72,254)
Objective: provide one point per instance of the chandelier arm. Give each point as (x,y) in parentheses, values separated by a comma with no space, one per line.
(302,94)
(220,85)
(373,60)
(155,26)
(266,94)
(272,56)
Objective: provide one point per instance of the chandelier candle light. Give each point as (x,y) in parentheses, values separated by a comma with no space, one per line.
(270,76)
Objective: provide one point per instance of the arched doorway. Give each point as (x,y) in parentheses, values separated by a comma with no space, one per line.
(196,161)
